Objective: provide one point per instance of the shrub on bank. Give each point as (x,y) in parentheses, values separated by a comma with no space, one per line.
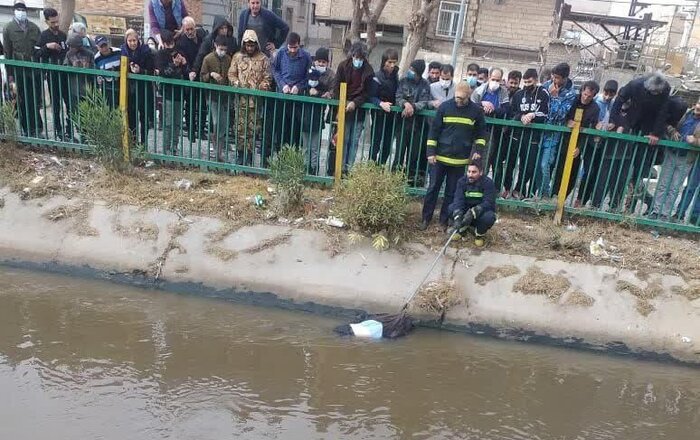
(287,173)
(8,121)
(102,127)
(372,200)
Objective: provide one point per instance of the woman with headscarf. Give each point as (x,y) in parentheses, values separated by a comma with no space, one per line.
(140,103)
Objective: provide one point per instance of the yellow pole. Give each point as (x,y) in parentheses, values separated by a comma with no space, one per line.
(341,132)
(566,176)
(123,96)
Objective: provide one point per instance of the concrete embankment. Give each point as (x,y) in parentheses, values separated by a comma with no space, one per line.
(513,297)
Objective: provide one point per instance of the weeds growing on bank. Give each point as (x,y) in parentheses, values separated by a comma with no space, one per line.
(287,173)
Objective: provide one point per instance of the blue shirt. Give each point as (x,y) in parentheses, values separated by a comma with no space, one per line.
(688,126)
(493,98)
(291,71)
(605,107)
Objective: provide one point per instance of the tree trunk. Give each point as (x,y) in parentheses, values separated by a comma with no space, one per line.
(372,20)
(67,11)
(417,29)
(353,34)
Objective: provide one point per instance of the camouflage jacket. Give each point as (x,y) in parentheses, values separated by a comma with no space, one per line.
(250,72)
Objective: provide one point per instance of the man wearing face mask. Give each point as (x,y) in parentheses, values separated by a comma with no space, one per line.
(250,69)
(356,71)
(529,105)
(52,50)
(472,76)
(215,67)
(20,38)
(413,95)
(320,86)
(444,88)
(457,135)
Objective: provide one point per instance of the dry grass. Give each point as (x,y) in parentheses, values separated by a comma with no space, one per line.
(139,229)
(221,253)
(691,291)
(437,297)
(580,299)
(269,243)
(536,282)
(79,214)
(643,295)
(494,273)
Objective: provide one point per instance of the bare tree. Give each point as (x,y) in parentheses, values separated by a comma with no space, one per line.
(417,29)
(368,11)
(372,19)
(67,11)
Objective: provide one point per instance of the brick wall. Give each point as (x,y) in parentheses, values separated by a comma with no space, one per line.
(396,12)
(130,8)
(527,24)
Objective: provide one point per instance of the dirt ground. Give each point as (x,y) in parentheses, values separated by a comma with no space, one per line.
(34,174)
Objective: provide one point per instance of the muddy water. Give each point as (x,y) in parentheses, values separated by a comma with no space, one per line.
(90,360)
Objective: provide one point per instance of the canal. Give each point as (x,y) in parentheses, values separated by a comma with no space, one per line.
(84,359)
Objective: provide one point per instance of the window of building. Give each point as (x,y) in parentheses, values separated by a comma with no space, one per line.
(448,18)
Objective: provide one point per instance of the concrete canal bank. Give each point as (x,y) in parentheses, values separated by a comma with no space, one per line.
(508,296)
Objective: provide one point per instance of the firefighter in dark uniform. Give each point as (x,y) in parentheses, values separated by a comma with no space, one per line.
(457,136)
(474,203)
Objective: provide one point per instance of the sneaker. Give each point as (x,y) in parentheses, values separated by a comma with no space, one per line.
(577,203)
(479,242)
(424,225)
(516,195)
(505,194)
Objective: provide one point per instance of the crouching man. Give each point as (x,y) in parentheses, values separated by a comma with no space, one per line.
(474,203)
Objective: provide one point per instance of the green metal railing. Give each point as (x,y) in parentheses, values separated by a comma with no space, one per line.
(615,176)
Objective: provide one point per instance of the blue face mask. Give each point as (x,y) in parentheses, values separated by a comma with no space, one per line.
(411,75)
(357,63)
(471,80)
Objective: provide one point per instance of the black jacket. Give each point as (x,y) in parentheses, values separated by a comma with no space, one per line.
(384,86)
(535,101)
(190,48)
(52,56)
(168,69)
(455,131)
(590,112)
(207,45)
(646,113)
(481,193)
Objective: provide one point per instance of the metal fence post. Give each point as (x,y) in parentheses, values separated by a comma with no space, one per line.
(123,97)
(339,143)
(566,175)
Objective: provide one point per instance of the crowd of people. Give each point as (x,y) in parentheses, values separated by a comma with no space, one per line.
(455,147)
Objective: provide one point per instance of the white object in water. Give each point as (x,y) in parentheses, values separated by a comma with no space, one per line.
(367,329)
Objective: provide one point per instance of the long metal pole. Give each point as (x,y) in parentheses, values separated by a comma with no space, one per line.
(460,28)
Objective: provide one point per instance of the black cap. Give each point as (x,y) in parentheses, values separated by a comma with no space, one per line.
(418,66)
(19,6)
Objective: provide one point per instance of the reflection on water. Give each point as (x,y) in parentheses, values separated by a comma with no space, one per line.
(83,359)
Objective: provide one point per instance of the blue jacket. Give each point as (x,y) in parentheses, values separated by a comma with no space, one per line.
(291,71)
(156,13)
(605,109)
(275,28)
(559,107)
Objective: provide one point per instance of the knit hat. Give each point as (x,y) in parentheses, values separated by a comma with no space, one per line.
(322,54)
(75,42)
(418,66)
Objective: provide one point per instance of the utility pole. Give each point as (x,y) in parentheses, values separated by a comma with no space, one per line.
(463,7)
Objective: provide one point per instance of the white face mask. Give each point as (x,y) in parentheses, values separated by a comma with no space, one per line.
(494,85)
(445,83)
(321,69)
(21,15)
(220,52)
(313,83)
